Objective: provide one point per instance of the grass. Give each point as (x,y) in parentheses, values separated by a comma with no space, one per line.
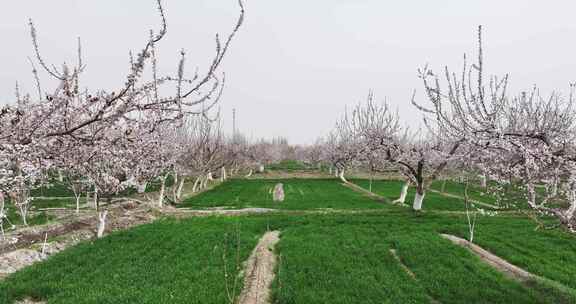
(322,259)
(57,195)
(56,188)
(475,192)
(168,261)
(53,189)
(35,217)
(289,165)
(390,189)
(339,259)
(512,197)
(546,252)
(301,194)
(14,218)
(330,258)
(56,202)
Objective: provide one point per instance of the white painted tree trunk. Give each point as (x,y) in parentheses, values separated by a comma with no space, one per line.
(60,176)
(223,174)
(555,182)
(554,190)
(77,191)
(162,191)
(101,223)
(418,199)
(261,169)
(23,208)
(95,198)
(249,173)
(341,176)
(483,180)
(88,197)
(175,186)
(141,187)
(78,196)
(209,176)
(330,170)
(195,186)
(403,193)
(179,191)
(2,216)
(531,195)
(24,217)
(572,209)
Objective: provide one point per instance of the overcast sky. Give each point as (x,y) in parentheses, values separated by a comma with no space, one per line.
(297,64)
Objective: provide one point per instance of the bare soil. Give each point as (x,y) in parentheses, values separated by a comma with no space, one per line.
(259,272)
(367,193)
(493,260)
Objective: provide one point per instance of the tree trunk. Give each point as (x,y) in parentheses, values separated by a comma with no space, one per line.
(249,173)
(195,187)
(531,195)
(77,190)
(419,198)
(95,198)
(179,191)
(403,193)
(141,187)
(261,169)
(554,190)
(2,215)
(78,196)
(203,183)
(175,186)
(24,215)
(101,223)
(483,179)
(223,174)
(443,188)
(209,176)
(162,190)
(341,176)
(555,182)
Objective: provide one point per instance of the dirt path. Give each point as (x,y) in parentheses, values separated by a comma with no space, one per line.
(259,272)
(372,195)
(216,211)
(512,271)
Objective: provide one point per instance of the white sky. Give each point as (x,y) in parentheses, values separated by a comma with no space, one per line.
(297,64)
